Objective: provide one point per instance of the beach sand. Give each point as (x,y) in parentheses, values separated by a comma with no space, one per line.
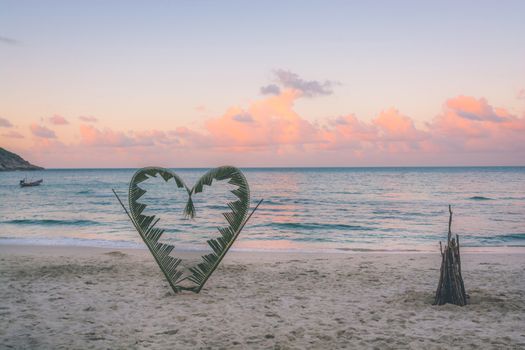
(79,298)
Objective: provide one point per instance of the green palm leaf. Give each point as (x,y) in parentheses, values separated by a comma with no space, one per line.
(150,233)
(236,220)
(146,224)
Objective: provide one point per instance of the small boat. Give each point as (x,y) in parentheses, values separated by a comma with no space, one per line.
(25,183)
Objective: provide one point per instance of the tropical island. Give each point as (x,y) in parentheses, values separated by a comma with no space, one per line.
(12,161)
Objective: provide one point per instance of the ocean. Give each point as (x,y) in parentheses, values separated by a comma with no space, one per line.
(304,209)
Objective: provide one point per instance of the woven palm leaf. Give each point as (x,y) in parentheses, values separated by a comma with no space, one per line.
(146,225)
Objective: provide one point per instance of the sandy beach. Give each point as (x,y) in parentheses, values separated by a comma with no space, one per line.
(65,297)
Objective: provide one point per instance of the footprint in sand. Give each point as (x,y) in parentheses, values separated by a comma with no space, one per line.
(116,254)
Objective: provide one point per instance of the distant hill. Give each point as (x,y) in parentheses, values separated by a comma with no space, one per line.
(11,161)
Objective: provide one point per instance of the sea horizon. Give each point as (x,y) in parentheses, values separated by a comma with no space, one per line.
(283,167)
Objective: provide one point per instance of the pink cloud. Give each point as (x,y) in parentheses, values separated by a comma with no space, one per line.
(4,123)
(475,109)
(13,135)
(397,133)
(270,122)
(243,118)
(394,126)
(347,132)
(188,138)
(152,137)
(88,119)
(58,120)
(91,136)
(485,129)
(182,137)
(269,132)
(521,94)
(270,127)
(42,131)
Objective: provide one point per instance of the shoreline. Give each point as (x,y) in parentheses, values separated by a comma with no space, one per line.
(379,167)
(78,297)
(89,244)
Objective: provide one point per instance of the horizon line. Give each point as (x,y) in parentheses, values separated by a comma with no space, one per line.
(291,167)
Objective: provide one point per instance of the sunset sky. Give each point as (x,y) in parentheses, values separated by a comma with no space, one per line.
(267,83)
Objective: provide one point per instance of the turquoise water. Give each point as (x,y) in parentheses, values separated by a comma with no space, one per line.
(303,209)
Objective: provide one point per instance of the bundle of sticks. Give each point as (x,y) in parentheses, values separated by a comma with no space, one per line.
(450,287)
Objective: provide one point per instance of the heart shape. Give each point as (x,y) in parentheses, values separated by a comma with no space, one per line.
(145,224)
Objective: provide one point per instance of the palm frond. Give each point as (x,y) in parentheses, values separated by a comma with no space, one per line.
(235,219)
(146,224)
(150,233)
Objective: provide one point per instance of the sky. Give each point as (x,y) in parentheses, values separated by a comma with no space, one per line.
(270,83)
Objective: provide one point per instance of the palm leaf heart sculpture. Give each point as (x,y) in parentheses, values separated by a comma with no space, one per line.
(150,234)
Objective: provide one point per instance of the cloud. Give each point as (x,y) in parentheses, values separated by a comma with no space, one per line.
(273,124)
(270,132)
(91,136)
(490,130)
(393,126)
(8,41)
(88,119)
(155,137)
(466,124)
(4,123)
(270,89)
(340,121)
(473,109)
(521,94)
(187,138)
(347,132)
(58,120)
(243,118)
(42,131)
(94,137)
(308,88)
(272,127)
(13,135)
(396,133)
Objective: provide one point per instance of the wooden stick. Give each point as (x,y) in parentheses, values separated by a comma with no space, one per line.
(449,224)
(451,288)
